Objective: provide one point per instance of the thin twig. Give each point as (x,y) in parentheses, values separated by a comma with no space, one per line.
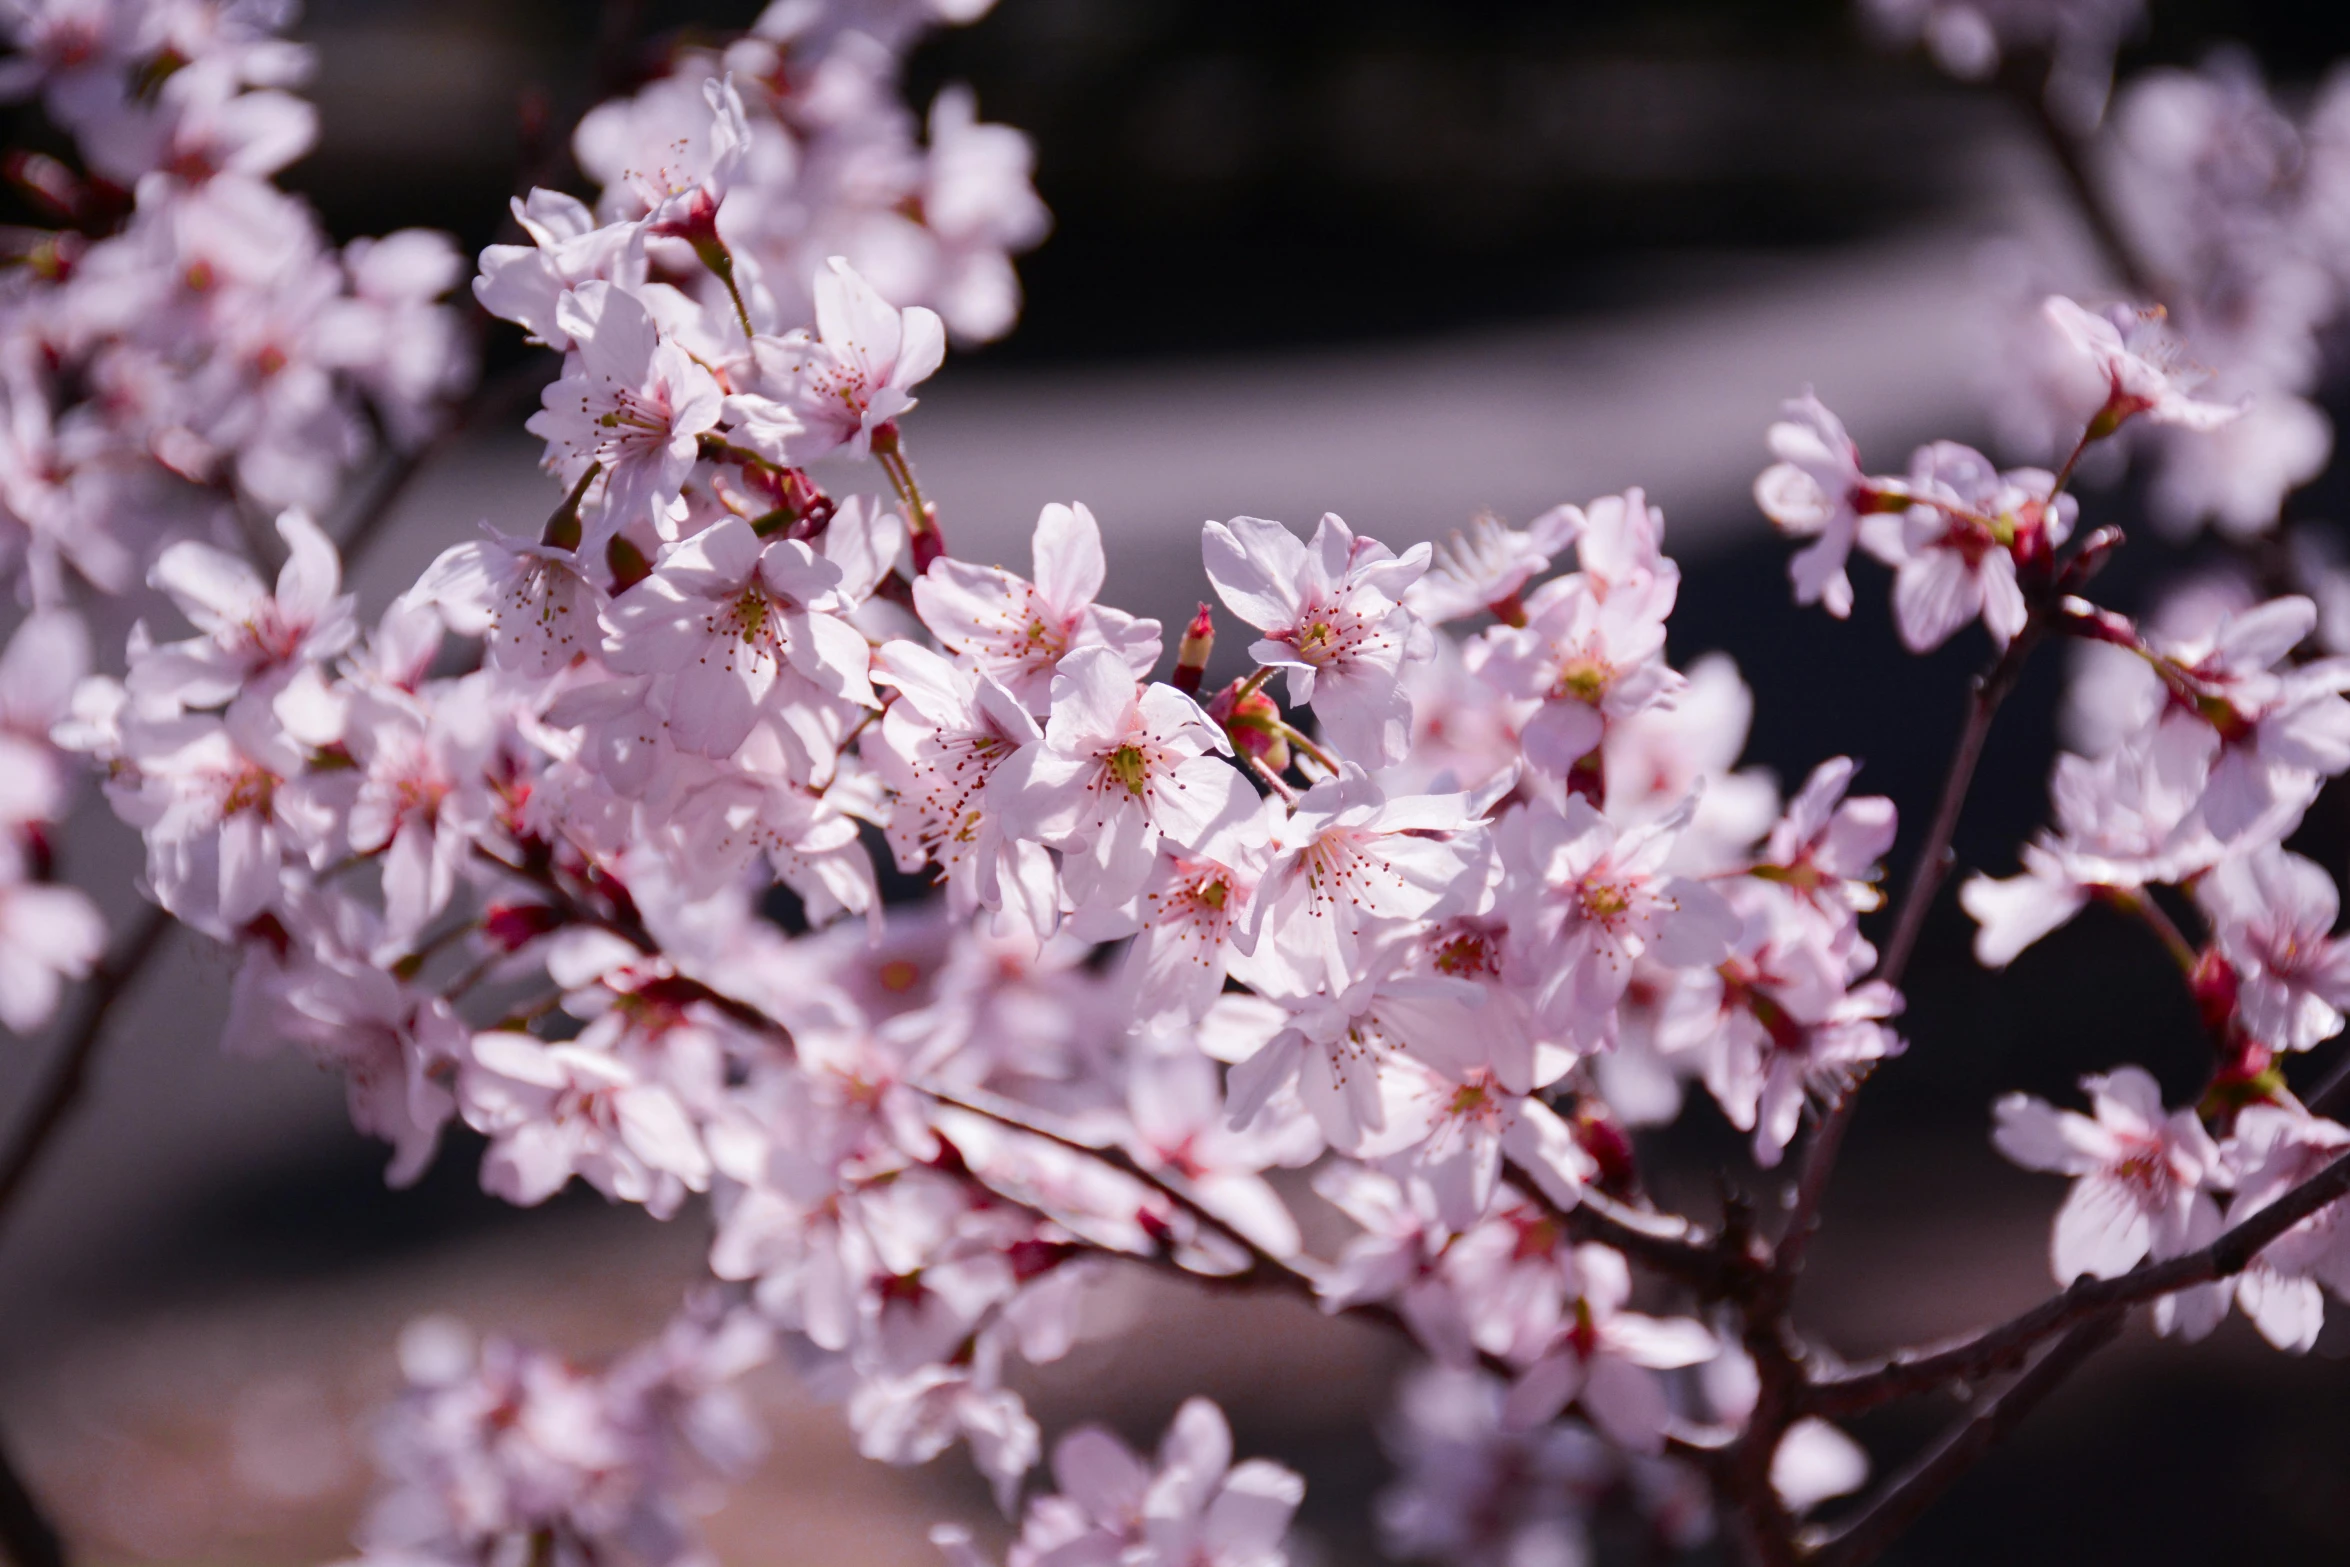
(1926,875)
(490,402)
(2004,1346)
(2104,222)
(53,1103)
(1905,1499)
(27,1537)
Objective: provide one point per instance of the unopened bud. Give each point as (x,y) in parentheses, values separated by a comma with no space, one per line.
(510,925)
(562,531)
(928,543)
(628,564)
(2215,988)
(1253,722)
(1598,1135)
(1191,654)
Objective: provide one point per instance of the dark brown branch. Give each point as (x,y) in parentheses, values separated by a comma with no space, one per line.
(1926,876)
(27,1537)
(1905,1499)
(490,402)
(53,1103)
(2001,1348)
(2105,225)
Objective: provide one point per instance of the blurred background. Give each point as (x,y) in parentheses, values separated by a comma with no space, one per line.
(1395,260)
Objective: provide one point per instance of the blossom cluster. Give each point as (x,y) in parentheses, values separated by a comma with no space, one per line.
(185,346)
(823,160)
(598,842)
(502,1452)
(1412,912)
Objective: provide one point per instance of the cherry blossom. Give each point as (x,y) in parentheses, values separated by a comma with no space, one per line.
(1594,901)
(1193,1508)
(2140,1173)
(729,617)
(1017,630)
(1606,1358)
(1333,619)
(251,635)
(48,936)
(1346,861)
(2273,913)
(1120,767)
(1485,566)
(1816,490)
(856,373)
(2139,359)
(940,743)
(1589,660)
(1954,550)
(631,404)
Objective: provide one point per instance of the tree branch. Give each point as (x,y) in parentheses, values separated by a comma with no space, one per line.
(27,1537)
(1905,1499)
(1926,875)
(53,1102)
(2005,1346)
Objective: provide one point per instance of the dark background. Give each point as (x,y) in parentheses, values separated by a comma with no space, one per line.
(1248,177)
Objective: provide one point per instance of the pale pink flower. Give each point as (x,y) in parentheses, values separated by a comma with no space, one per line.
(46,658)
(941,740)
(1589,661)
(48,935)
(1347,863)
(555,1111)
(1121,766)
(1190,908)
(1174,1097)
(2141,362)
(1018,631)
(2139,1172)
(1333,619)
(251,635)
(2273,1149)
(858,371)
(1817,491)
(533,602)
(2122,822)
(2273,915)
(1954,550)
(729,617)
(631,402)
(526,284)
(1489,563)
(2267,734)
(1588,900)
(1193,1508)
(1350,1055)
(1605,1361)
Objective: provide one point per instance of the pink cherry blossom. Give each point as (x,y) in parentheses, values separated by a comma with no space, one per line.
(856,373)
(1348,861)
(1333,619)
(630,402)
(2141,363)
(1816,490)
(1488,563)
(939,744)
(1017,630)
(2273,914)
(1589,661)
(1120,767)
(730,618)
(1607,1358)
(2139,1172)
(1594,900)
